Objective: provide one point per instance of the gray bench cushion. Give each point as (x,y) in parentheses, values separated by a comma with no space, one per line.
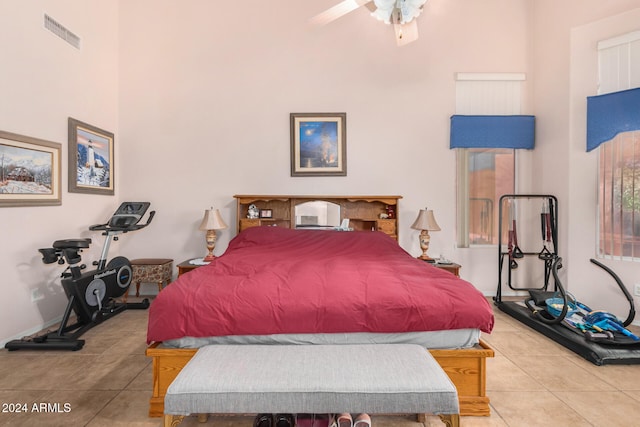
(382,378)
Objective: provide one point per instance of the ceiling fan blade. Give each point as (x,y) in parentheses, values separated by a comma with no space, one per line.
(337,11)
(371,6)
(406,33)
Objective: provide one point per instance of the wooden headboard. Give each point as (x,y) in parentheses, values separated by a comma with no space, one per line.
(364,212)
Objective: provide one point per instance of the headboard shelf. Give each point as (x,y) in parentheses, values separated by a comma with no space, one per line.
(364,212)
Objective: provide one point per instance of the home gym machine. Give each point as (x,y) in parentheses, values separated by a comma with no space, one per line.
(596,335)
(91,294)
(510,253)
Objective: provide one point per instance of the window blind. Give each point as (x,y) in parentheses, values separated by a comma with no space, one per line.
(517,131)
(486,94)
(611,114)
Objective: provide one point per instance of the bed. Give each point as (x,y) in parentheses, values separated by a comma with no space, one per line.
(277,286)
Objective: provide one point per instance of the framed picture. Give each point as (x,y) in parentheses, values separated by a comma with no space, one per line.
(318,144)
(91,160)
(266,213)
(29,171)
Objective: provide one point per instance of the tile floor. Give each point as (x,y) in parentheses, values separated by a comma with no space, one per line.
(532,381)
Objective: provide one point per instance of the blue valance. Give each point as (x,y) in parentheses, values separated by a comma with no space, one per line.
(611,114)
(492,132)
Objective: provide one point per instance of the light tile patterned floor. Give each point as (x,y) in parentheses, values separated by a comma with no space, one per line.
(532,381)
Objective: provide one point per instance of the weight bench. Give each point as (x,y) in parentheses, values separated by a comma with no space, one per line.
(312,379)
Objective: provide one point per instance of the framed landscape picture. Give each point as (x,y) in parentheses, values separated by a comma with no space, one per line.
(318,144)
(91,160)
(29,171)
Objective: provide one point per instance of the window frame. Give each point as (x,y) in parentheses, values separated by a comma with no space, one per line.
(474,96)
(463,217)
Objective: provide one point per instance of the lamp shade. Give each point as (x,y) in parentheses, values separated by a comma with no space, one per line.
(425,221)
(212,220)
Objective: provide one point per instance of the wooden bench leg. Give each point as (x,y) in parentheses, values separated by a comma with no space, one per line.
(450,420)
(172,420)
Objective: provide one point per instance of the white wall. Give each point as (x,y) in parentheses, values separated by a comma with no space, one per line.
(43,81)
(199,96)
(205,103)
(565,69)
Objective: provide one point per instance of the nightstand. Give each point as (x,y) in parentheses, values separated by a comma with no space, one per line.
(186,266)
(452,268)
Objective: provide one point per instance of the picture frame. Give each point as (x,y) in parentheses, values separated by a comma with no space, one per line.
(91,159)
(266,213)
(29,171)
(318,144)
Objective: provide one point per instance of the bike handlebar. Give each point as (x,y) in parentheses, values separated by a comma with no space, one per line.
(107,227)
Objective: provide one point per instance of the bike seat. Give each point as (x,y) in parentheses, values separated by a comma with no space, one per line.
(72,244)
(124,221)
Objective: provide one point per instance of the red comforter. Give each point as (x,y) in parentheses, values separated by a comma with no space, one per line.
(275,281)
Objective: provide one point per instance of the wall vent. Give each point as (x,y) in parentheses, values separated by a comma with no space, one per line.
(61,31)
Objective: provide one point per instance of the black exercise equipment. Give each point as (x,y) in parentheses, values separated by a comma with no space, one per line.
(511,251)
(514,250)
(91,294)
(605,340)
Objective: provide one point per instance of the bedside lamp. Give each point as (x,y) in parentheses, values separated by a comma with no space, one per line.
(425,222)
(211,222)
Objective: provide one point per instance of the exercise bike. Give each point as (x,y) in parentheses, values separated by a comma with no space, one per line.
(91,294)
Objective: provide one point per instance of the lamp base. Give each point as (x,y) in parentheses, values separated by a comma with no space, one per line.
(427,258)
(211,244)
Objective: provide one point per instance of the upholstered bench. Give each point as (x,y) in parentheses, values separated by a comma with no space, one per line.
(151,270)
(374,379)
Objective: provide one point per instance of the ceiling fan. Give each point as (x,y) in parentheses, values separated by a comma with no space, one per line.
(401,13)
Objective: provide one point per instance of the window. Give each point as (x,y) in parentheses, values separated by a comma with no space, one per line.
(490,174)
(619,158)
(484,173)
(619,194)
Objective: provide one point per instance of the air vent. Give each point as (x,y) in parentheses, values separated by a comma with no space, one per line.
(61,31)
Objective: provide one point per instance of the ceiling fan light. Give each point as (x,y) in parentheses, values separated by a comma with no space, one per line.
(384,9)
(410,9)
(401,13)
(406,10)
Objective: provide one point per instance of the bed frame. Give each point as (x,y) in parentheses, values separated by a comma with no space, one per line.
(466,367)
